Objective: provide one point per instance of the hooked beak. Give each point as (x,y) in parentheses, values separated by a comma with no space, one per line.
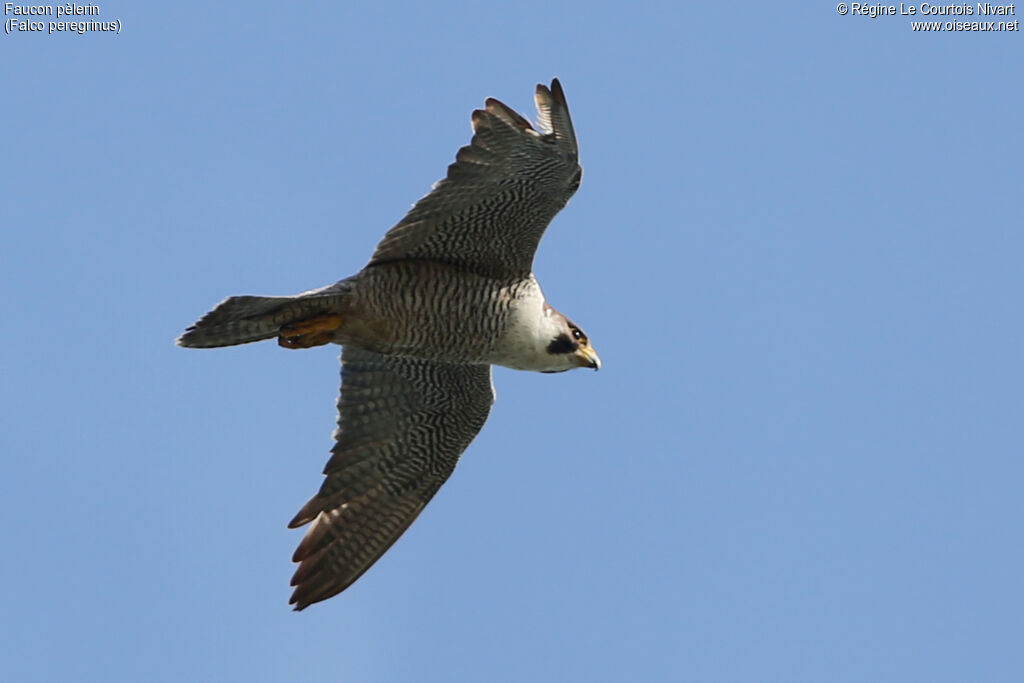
(588,358)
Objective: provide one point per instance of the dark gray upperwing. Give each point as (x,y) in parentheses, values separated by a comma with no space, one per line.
(489,213)
(402,425)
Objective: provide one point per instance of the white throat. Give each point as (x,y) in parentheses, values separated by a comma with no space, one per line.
(534,324)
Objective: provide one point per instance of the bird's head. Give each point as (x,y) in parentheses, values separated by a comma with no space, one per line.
(569,346)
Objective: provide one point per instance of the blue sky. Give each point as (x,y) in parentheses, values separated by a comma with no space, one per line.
(797,247)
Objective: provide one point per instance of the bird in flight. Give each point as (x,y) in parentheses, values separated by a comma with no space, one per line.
(448,293)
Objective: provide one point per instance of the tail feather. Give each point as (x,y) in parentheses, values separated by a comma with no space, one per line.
(244,319)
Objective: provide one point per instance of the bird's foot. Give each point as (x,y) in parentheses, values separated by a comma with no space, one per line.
(310,332)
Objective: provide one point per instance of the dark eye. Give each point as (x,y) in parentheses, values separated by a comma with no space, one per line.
(576,334)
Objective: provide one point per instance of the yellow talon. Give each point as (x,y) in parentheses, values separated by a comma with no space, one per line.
(307,333)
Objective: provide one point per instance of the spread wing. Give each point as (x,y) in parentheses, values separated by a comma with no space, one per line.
(402,425)
(489,213)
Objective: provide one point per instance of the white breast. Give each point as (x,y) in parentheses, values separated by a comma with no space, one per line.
(533,326)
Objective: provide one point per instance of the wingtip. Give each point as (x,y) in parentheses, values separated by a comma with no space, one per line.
(478,119)
(297,602)
(183,340)
(553,114)
(504,112)
(307,514)
(558,93)
(554,90)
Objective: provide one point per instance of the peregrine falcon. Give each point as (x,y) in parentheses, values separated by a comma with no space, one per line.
(448,293)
